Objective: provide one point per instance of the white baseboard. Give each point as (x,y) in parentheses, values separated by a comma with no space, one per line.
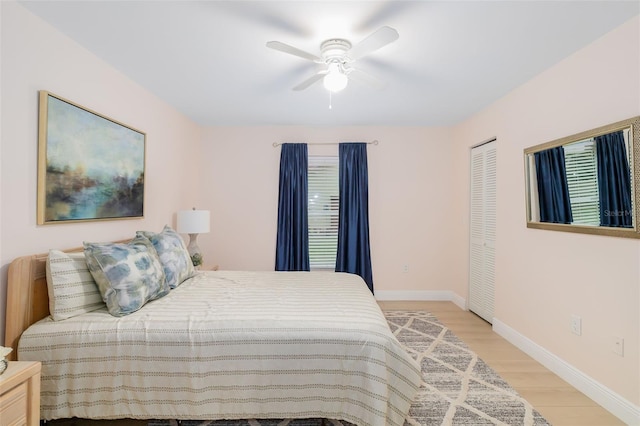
(423,295)
(620,407)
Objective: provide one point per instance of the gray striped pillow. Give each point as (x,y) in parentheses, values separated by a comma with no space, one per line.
(71,287)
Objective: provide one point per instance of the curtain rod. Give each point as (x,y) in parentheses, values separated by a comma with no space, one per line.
(373,142)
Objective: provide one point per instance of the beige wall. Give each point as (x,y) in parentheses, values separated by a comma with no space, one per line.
(419,185)
(37,57)
(410,216)
(543,277)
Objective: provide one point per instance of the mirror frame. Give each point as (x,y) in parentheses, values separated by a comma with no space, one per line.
(634,232)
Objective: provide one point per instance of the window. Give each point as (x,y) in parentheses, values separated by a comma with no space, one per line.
(324,207)
(582,179)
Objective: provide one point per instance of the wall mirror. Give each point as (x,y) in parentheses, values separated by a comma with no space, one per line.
(588,182)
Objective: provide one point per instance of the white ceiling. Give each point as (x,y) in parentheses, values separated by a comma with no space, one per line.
(208,58)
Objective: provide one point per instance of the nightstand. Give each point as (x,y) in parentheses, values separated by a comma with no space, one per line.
(20,393)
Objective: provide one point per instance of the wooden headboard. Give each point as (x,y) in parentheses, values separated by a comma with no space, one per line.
(27,296)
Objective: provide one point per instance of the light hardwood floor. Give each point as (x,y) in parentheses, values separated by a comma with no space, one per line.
(559,402)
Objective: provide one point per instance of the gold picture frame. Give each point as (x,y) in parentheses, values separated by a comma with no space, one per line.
(90,167)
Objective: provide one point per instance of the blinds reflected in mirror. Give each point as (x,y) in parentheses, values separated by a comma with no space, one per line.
(582,178)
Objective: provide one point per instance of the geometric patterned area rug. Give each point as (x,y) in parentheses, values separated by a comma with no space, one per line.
(458,388)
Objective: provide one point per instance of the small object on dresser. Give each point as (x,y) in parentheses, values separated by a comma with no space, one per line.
(3,362)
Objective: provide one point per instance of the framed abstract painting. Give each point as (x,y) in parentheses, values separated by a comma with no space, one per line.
(90,167)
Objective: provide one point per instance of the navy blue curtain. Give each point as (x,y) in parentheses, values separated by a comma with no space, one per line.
(553,190)
(354,251)
(292,245)
(614,181)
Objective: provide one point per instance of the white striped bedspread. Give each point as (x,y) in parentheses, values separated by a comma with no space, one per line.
(230,345)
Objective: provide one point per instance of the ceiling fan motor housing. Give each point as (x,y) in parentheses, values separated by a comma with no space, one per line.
(335,50)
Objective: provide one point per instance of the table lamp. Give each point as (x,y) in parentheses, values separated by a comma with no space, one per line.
(193,222)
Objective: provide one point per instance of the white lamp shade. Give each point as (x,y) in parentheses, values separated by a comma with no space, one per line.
(335,80)
(193,221)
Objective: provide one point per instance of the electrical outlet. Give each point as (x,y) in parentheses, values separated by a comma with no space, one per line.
(405,268)
(576,325)
(618,345)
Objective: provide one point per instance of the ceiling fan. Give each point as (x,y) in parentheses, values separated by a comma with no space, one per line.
(337,56)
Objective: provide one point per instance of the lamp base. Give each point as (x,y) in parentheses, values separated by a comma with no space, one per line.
(194,251)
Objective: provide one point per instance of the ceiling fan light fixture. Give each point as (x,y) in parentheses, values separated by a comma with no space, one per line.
(335,80)
(338,55)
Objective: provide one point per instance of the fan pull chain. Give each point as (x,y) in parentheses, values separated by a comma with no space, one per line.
(330,105)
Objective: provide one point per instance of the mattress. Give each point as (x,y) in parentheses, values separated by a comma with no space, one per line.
(230,345)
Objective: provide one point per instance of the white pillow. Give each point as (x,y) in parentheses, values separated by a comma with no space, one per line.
(71,287)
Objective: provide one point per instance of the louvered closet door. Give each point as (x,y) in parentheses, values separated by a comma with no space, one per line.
(482,230)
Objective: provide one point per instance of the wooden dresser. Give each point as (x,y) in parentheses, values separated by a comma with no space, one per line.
(20,394)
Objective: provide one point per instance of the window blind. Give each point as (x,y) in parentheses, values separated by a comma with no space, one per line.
(323,211)
(582,178)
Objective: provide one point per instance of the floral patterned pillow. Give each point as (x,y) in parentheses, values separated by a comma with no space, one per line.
(173,255)
(128,275)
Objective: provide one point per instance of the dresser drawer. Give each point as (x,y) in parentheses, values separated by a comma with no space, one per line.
(20,394)
(13,406)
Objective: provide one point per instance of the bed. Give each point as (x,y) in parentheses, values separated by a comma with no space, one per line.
(221,345)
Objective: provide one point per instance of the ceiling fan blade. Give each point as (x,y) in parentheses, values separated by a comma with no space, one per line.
(283,47)
(308,82)
(379,38)
(363,77)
